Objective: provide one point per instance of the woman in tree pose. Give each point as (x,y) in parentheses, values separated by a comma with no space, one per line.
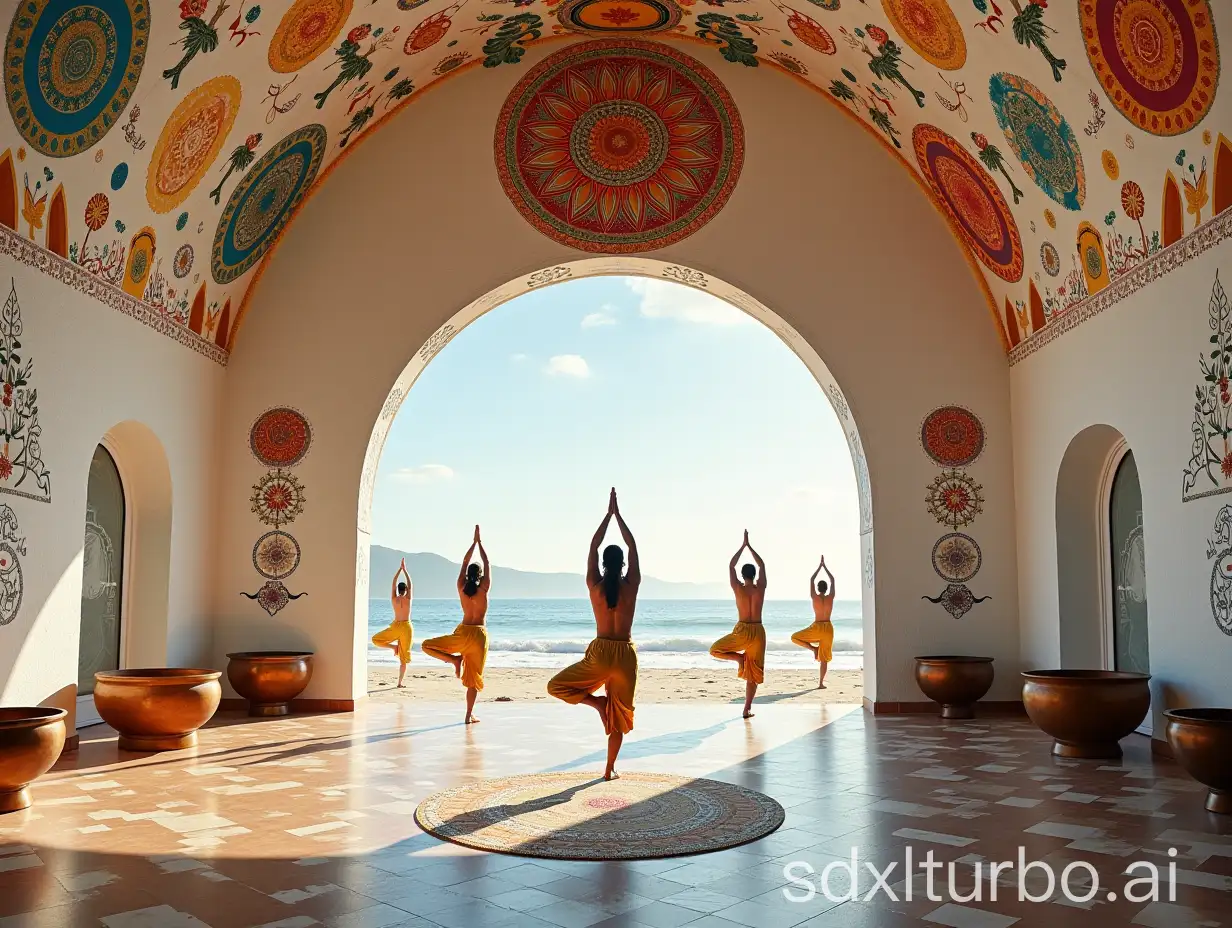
(467,647)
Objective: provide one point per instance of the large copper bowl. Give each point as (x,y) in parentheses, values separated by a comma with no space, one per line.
(157,709)
(269,680)
(956,682)
(1087,712)
(1201,741)
(31,740)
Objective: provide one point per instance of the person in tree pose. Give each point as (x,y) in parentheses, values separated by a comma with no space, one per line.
(467,647)
(746,645)
(611,659)
(819,637)
(397,637)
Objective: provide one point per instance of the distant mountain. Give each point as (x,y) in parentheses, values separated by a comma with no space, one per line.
(436,577)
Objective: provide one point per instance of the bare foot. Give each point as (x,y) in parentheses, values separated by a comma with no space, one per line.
(611,775)
(740,665)
(471,719)
(601,706)
(457,667)
(749,713)
(822,686)
(400,686)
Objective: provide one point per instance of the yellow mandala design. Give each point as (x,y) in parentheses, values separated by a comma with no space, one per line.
(931,28)
(190,141)
(306,30)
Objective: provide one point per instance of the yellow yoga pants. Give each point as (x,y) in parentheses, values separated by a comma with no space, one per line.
(608,663)
(820,635)
(468,641)
(748,638)
(399,632)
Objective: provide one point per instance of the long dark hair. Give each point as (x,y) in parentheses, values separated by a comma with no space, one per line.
(471,587)
(613,561)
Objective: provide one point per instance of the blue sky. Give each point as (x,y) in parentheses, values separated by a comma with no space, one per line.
(703,420)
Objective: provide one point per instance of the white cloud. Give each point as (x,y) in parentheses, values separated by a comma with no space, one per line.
(603,317)
(424,473)
(517,357)
(663,300)
(568,365)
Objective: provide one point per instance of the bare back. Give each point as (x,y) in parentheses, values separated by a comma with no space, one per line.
(615,622)
(474,608)
(402,607)
(749,600)
(822,606)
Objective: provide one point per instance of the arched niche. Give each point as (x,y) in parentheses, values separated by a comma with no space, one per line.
(1173,221)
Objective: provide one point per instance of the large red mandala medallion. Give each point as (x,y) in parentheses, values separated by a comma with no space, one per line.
(1158,60)
(952,436)
(971,199)
(280,437)
(619,146)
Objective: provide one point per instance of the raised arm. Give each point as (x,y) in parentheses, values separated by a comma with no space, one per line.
(731,567)
(829,578)
(813,594)
(393,586)
(486,582)
(634,574)
(466,559)
(592,562)
(761,568)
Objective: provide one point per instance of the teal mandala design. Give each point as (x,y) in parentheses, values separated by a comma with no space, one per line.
(1040,137)
(264,200)
(70,68)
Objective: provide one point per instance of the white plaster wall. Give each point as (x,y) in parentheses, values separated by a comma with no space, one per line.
(1134,368)
(824,228)
(95,368)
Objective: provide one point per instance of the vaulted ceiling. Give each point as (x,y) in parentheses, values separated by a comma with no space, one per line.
(1066,141)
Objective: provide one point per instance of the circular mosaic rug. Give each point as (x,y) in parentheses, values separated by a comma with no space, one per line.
(579,816)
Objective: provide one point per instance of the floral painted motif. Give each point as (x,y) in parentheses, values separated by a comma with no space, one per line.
(1209,471)
(22,471)
(952,436)
(277,498)
(954,499)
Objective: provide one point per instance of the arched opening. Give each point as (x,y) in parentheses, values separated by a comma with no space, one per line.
(57,224)
(8,191)
(222,334)
(1036,308)
(101,642)
(196,315)
(1173,223)
(1011,324)
(684,278)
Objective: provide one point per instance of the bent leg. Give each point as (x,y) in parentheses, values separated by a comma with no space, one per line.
(577,682)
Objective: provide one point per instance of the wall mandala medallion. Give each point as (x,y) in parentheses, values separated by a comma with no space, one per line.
(306,30)
(273,596)
(190,141)
(931,29)
(262,202)
(956,599)
(972,201)
(276,555)
(1158,60)
(1040,137)
(1050,258)
(70,67)
(280,437)
(956,557)
(808,30)
(618,146)
(182,263)
(952,436)
(277,498)
(12,584)
(604,17)
(954,499)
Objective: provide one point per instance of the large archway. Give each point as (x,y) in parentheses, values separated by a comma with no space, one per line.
(637,268)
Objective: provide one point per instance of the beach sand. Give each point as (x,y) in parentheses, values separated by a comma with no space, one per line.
(431,681)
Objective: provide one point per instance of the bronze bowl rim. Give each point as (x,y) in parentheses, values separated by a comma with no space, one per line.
(32,717)
(271,657)
(1216,717)
(159,676)
(953,659)
(1071,676)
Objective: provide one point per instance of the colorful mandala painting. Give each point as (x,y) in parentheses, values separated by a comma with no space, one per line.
(618,146)
(280,437)
(276,555)
(956,599)
(1158,60)
(190,141)
(306,30)
(273,596)
(1050,258)
(1040,137)
(972,201)
(70,67)
(603,17)
(956,557)
(277,498)
(952,436)
(931,29)
(182,263)
(954,499)
(262,202)
(809,31)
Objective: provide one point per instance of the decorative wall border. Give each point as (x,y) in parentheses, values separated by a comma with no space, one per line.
(1197,242)
(31,254)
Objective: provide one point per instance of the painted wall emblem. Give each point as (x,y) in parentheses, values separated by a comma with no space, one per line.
(273,596)
(1209,471)
(190,141)
(1158,60)
(954,499)
(276,555)
(277,498)
(604,17)
(280,437)
(956,557)
(931,29)
(70,68)
(952,436)
(1219,547)
(1040,137)
(956,599)
(308,28)
(22,471)
(12,544)
(619,146)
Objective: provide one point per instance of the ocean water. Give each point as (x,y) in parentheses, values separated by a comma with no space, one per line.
(668,633)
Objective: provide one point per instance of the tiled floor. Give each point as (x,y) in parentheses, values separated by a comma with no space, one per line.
(308,821)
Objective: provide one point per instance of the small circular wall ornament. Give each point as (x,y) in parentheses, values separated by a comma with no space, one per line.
(280,437)
(956,557)
(276,555)
(605,17)
(952,436)
(181,264)
(1050,258)
(277,498)
(954,499)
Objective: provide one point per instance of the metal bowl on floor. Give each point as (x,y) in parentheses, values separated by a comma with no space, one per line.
(954,681)
(1087,712)
(31,739)
(1201,741)
(269,680)
(159,708)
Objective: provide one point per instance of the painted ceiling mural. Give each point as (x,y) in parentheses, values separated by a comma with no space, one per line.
(164,147)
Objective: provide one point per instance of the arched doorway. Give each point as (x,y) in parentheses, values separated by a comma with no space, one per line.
(1125,615)
(101,644)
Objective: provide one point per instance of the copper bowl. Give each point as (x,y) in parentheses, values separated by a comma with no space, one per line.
(1201,741)
(956,682)
(269,680)
(1087,712)
(31,740)
(157,709)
